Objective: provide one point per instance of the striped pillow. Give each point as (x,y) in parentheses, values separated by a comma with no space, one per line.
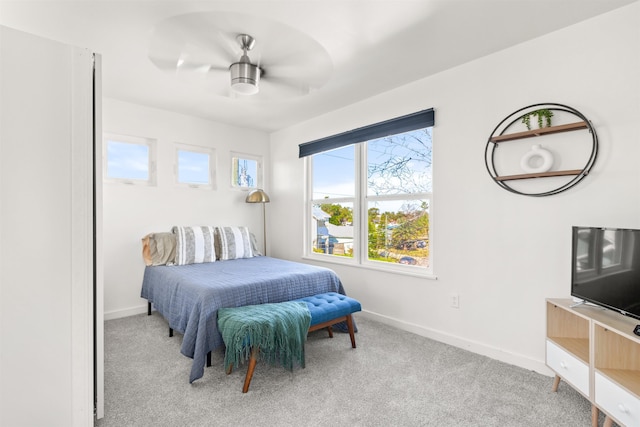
(194,244)
(233,243)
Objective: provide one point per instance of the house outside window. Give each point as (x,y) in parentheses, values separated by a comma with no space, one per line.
(369,202)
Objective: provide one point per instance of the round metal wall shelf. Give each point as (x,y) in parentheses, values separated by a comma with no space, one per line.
(504,132)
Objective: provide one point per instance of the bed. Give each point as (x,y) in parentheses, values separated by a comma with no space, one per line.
(189,296)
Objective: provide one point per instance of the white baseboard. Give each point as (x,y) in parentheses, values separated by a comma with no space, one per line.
(125,312)
(465,344)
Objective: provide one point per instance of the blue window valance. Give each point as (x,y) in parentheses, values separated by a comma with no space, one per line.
(419,120)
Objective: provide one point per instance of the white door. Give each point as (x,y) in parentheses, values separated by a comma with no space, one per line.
(46,232)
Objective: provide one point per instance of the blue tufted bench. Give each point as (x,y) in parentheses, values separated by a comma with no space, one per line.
(326,310)
(330,308)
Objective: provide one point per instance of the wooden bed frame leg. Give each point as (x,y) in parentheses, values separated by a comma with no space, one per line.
(351,331)
(251,368)
(556,383)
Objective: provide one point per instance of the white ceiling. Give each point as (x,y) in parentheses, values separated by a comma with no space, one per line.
(373,46)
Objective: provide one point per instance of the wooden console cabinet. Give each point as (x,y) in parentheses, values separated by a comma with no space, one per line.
(596,352)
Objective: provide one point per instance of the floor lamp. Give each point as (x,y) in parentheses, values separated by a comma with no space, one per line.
(259,196)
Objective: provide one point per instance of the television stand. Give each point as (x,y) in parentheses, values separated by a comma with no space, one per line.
(585,303)
(578,303)
(595,351)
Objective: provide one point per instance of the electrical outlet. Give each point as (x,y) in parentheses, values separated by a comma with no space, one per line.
(455,301)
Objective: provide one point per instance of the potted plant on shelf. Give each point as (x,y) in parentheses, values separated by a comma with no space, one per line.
(544,117)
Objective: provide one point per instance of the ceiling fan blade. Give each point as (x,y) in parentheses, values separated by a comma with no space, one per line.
(280,89)
(313,78)
(164,64)
(188,41)
(201,31)
(314,70)
(165,53)
(192,67)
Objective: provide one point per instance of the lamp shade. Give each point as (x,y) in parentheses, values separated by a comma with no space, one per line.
(257,196)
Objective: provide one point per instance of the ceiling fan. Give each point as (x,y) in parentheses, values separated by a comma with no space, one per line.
(287,63)
(245,76)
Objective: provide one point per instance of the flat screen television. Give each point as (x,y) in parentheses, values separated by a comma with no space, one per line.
(606,268)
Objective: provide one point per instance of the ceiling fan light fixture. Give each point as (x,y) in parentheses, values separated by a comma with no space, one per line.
(245,77)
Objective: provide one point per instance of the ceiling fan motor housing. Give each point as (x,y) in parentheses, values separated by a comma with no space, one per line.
(245,76)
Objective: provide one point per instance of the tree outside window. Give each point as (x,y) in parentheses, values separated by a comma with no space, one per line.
(385,219)
(246,171)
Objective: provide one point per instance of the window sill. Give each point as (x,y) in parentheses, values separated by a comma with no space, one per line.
(400,271)
(128,182)
(182,185)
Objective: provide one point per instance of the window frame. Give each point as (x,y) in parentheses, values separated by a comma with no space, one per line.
(259,183)
(595,252)
(151,145)
(211,152)
(360,201)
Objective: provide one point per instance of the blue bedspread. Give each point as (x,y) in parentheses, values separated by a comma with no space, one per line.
(189,296)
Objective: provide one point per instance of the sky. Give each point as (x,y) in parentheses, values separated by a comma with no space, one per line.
(127,161)
(334,171)
(130,161)
(193,167)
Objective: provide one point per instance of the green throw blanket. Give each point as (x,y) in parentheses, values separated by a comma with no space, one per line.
(278,330)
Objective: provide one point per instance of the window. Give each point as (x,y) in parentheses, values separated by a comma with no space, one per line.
(246,171)
(130,160)
(370,199)
(599,252)
(195,166)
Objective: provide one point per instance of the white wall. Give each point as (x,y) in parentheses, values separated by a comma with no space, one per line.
(46,248)
(502,253)
(132,211)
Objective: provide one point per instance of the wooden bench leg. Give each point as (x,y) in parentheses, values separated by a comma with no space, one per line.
(328,325)
(252,367)
(556,383)
(351,331)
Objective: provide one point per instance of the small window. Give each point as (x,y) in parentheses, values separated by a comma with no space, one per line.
(195,166)
(246,171)
(130,160)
